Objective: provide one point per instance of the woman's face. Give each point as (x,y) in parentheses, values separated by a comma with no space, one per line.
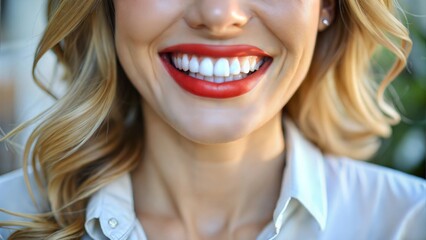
(181,56)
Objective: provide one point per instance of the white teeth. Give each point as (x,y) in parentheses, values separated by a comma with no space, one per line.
(193,64)
(219,79)
(252,64)
(245,65)
(258,64)
(221,68)
(179,62)
(199,76)
(206,67)
(237,77)
(218,70)
(210,79)
(185,62)
(235,67)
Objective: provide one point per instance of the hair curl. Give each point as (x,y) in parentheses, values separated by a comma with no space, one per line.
(92,134)
(340,106)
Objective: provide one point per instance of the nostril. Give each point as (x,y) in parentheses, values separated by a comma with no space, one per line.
(240,19)
(218,17)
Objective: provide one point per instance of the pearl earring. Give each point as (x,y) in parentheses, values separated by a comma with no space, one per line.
(326,22)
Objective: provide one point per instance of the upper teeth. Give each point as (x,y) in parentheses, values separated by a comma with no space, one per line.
(216,67)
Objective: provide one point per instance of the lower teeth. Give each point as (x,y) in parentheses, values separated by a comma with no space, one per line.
(217,79)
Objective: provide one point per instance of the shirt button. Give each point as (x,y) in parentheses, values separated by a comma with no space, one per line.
(112,222)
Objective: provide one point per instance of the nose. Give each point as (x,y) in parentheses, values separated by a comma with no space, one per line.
(220,18)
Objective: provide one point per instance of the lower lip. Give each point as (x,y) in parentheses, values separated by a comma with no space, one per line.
(215,90)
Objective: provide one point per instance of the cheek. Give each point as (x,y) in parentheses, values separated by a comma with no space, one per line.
(138,27)
(144,20)
(294,23)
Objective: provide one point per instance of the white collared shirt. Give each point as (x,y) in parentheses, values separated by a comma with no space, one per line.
(322,197)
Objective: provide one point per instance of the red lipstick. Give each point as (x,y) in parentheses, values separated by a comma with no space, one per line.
(210,89)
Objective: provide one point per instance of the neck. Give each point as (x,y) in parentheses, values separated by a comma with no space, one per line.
(210,189)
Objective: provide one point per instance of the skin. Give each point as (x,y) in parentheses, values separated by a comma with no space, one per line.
(213,168)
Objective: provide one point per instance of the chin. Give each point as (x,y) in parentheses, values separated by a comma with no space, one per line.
(216,134)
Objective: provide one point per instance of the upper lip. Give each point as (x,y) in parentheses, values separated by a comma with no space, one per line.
(216,50)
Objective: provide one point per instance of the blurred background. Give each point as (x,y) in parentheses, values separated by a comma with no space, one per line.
(21,26)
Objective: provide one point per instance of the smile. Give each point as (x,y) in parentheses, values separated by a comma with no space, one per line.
(215,71)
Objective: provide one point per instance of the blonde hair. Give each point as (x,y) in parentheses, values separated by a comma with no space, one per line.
(91,135)
(339,106)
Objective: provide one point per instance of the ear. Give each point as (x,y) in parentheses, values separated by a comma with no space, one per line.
(327,14)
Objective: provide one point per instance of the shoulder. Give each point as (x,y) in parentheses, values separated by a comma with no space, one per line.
(371,177)
(377,194)
(16,197)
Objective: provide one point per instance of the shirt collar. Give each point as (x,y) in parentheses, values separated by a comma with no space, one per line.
(110,211)
(304,178)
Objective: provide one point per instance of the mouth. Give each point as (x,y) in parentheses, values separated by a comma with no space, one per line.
(215,71)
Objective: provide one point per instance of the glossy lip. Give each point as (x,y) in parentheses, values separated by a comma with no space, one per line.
(210,89)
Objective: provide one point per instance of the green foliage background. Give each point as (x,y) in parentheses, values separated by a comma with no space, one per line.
(405,150)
